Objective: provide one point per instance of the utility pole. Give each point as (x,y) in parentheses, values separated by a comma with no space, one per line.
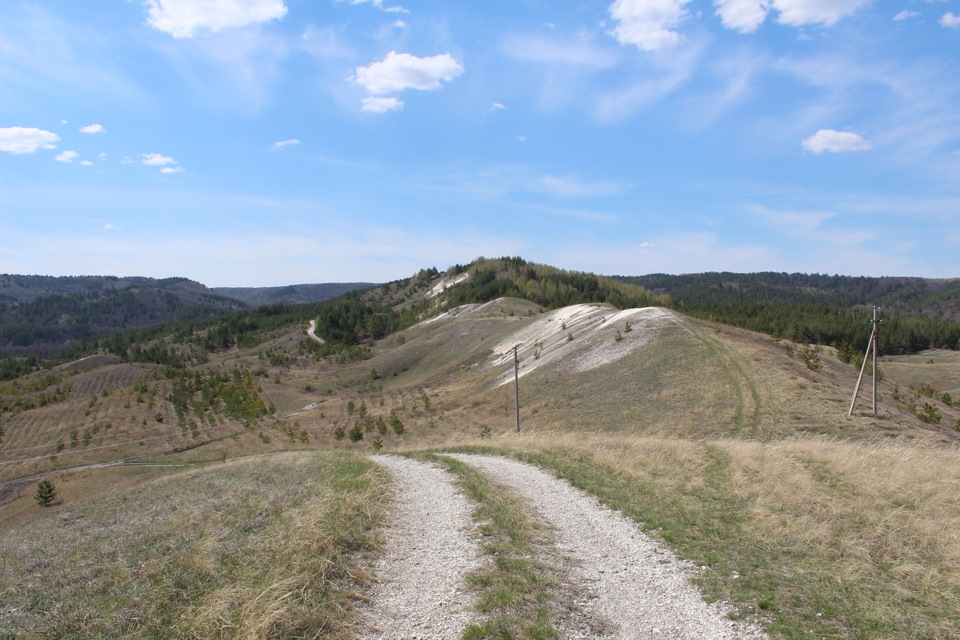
(516,382)
(871,346)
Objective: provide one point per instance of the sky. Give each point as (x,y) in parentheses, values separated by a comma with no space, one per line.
(274,142)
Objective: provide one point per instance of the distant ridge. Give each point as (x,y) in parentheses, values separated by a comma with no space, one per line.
(292,294)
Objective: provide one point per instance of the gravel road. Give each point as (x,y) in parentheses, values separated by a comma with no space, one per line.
(618,583)
(629,585)
(430,548)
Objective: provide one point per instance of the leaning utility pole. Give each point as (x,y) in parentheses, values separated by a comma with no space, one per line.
(871,346)
(516,382)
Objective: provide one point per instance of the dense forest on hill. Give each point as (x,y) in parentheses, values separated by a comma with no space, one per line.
(43,314)
(549,287)
(291,294)
(917,313)
(44,324)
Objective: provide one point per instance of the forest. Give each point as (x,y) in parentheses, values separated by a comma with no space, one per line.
(917,314)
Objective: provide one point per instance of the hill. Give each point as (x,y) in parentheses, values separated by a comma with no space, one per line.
(728,445)
(292,294)
(41,315)
(919,313)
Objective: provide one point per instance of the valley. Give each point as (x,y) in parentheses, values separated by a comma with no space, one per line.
(730,448)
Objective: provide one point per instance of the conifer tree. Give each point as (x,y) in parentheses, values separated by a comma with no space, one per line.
(46,493)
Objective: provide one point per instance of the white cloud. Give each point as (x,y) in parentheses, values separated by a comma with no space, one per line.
(157,160)
(497,106)
(87,163)
(648,24)
(18,140)
(798,13)
(93,128)
(109,227)
(381,105)
(103,156)
(182,18)
(950,20)
(906,15)
(67,156)
(172,170)
(379,5)
(283,144)
(835,142)
(742,15)
(399,71)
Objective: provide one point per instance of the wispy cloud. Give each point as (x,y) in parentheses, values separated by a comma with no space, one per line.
(92,128)
(67,157)
(373,104)
(283,144)
(157,160)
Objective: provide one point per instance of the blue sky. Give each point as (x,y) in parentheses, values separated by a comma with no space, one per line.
(270,142)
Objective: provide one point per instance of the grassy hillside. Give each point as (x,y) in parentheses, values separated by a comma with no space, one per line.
(730,445)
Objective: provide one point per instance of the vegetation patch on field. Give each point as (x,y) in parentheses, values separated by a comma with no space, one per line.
(265,546)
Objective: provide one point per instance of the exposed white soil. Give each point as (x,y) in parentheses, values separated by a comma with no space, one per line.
(420,589)
(446,283)
(579,338)
(629,586)
(463,311)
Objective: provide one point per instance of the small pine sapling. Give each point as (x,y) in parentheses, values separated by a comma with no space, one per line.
(46,493)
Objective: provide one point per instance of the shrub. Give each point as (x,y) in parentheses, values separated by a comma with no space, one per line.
(396,423)
(46,493)
(356,433)
(810,355)
(929,414)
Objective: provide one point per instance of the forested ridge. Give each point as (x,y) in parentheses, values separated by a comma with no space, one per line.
(831,310)
(547,286)
(917,313)
(45,323)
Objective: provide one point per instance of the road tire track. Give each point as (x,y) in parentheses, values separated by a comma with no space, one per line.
(420,590)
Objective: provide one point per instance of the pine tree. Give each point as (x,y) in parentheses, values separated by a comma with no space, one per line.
(46,493)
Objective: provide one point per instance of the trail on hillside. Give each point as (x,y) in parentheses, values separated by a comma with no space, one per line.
(420,589)
(629,586)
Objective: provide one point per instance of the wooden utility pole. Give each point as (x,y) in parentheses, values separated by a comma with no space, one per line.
(516,382)
(871,346)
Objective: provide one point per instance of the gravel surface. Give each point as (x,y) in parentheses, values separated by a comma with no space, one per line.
(626,584)
(430,549)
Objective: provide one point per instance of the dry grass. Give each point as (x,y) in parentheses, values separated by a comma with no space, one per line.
(822,538)
(255,548)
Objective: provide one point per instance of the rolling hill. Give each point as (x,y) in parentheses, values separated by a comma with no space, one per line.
(726,443)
